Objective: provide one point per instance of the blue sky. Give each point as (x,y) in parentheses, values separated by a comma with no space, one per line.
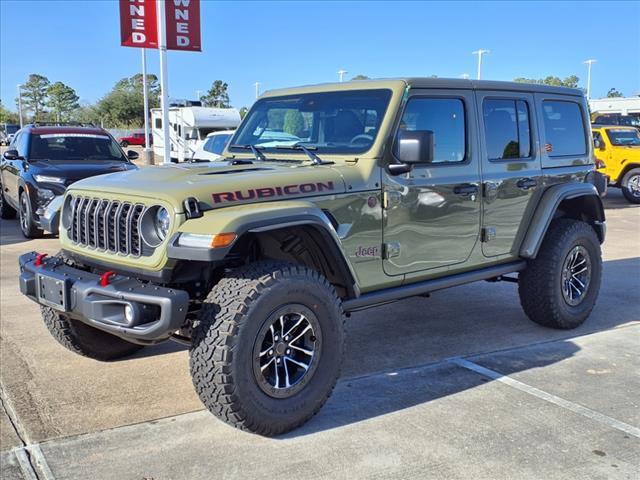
(291,43)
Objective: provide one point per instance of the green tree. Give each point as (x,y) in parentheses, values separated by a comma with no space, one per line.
(243,112)
(124,105)
(217,96)
(293,122)
(7,116)
(570,81)
(61,99)
(34,95)
(613,93)
(360,77)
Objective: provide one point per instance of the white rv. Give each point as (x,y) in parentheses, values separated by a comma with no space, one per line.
(189,127)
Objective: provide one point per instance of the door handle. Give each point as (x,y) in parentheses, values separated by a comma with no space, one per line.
(465,189)
(526,183)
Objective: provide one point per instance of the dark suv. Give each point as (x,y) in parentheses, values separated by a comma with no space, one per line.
(43,160)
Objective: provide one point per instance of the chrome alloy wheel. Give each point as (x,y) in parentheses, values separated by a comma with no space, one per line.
(576,275)
(287,351)
(634,185)
(24,212)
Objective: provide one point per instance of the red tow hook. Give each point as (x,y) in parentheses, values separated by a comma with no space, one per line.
(104,278)
(39,258)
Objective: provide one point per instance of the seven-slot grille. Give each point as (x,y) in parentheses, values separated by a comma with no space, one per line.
(109,225)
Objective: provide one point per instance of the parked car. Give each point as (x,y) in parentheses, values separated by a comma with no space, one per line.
(133,139)
(42,161)
(616,119)
(336,198)
(618,154)
(212,147)
(7,131)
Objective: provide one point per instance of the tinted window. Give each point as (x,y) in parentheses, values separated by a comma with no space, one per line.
(158,123)
(563,127)
(506,124)
(445,118)
(334,122)
(216,144)
(74,146)
(623,136)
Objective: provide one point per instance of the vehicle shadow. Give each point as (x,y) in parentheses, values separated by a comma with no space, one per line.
(10,234)
(614,200)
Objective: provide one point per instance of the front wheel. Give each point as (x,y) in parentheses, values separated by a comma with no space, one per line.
(559,288)
(631,185)
(124,144)
(27,223)
(267,347)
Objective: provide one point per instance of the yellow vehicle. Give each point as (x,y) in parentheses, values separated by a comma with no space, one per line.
(618,154)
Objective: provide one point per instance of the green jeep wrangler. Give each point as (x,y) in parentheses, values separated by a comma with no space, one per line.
(330,199)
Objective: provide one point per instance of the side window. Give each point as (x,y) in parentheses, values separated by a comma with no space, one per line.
(445,117)
(563,128)
(507,132)
(14,141)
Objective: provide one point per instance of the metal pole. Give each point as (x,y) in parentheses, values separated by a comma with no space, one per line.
(589,63)
(257,85)
(148,155)
(341,74)
(164,95)
(20,103)
(480,53)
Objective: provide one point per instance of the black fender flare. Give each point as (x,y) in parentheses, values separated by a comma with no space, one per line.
(548,206)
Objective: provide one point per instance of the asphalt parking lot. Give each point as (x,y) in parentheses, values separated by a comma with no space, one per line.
(459,385)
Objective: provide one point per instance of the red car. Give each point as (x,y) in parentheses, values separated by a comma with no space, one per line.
(133,139)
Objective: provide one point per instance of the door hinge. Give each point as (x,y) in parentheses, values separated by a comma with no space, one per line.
(391,249)
(488,233)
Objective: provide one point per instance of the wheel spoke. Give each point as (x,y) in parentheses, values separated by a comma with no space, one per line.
(303,350)
(286,373)
(300,335)
(277,385)
(263,367)
(579,282)
(296,325)
(584,269)
(582,262)
(300,364)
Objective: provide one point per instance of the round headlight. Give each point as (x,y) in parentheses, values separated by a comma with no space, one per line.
(162,222)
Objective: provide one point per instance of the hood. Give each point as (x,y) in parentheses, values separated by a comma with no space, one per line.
(72,171)
(220,184)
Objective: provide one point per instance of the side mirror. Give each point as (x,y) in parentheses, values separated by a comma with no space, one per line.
(11,155)
(415,146)
(131,155)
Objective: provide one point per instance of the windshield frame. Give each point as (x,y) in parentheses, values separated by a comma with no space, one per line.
(97,135)
(615,143)
(381,94)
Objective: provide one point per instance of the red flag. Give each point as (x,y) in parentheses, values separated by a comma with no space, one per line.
(138,23)
(183,25)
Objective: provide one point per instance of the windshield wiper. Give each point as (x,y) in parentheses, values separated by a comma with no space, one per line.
(255,150)
(314,158)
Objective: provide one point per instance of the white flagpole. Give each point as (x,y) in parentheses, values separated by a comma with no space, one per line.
(164,96)
(145,96)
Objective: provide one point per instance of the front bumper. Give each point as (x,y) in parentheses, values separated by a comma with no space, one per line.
(156,312)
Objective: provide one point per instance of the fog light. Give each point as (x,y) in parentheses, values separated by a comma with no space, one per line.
(129,314)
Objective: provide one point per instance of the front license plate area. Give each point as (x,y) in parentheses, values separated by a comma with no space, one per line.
(53,292)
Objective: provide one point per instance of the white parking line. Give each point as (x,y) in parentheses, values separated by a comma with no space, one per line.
(561,402)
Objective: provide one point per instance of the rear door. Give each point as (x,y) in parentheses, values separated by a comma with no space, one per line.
(432,213)
(511,168)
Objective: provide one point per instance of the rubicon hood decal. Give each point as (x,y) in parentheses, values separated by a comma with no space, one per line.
(269,192)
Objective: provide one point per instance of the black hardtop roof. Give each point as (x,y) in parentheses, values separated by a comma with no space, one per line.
(431,82)
(37,129)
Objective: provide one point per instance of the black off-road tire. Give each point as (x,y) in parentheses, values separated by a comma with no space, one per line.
(540,284)
(85,340)
(628,193)
(7,212)
(223,342)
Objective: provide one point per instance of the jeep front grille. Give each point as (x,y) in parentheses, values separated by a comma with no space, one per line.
(107,225)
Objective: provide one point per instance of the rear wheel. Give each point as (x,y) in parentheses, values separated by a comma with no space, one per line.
(27,223)
(559,288)
(124,144)
(267,347)
(84,340)
(7,212)
(631,185)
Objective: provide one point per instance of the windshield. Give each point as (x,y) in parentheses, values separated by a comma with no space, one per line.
(624,136)
(334,122)
(74,146)
(216,143)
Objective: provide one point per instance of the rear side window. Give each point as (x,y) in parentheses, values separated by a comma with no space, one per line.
(563,127)
(507,132)
(445,118)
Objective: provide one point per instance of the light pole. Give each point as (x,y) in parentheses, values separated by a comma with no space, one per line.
(480,53)
(589,62)
(148,156)
(198,94)
(341,74)
(20,103)
(257,85)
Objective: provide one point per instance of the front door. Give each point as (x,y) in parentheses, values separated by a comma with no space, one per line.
(511,168)
(432,213)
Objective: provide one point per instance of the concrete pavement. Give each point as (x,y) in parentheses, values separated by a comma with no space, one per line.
(403,407)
